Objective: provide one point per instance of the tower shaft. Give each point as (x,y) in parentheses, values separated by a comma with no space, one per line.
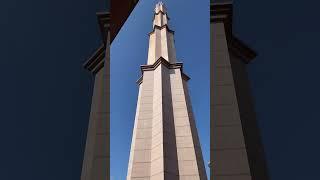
(165,143)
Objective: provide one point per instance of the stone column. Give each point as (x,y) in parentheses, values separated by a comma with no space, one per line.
(96,163)
(165,143)
(236,150)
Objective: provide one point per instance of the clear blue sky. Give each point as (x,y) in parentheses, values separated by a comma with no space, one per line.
(190,21)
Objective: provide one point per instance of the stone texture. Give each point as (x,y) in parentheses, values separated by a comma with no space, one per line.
(236,150)
(227,142)
(96,160)
(165,144)
(161,41)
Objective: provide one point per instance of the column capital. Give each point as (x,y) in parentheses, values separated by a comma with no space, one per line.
(104,24)
(222,12)
(161,27)
(164,62)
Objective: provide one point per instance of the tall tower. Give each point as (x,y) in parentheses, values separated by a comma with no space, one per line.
(165,143)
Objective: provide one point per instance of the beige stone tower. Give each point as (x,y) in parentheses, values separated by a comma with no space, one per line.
(165,143)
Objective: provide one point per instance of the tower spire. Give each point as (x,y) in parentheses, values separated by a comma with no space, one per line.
(160,7)
(161,40)
(160,17)
(165,143)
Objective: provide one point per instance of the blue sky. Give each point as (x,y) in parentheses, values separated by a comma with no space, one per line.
(190,21)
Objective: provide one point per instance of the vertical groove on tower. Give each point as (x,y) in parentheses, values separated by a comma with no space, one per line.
(158,45)
(189,158)
(140,154)
(170,148)
(164,44)
(157,134)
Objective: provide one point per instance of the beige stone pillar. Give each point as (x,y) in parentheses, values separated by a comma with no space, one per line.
(236,150)
(165,143)
(96,163)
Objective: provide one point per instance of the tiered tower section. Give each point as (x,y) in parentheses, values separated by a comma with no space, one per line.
(165,143)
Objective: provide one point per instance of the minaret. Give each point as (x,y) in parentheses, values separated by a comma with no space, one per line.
(165,143)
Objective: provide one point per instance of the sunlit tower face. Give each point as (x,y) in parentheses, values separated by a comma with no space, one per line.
(165,143)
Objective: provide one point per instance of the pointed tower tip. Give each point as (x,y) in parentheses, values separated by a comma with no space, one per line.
(160,7)
(160,3)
